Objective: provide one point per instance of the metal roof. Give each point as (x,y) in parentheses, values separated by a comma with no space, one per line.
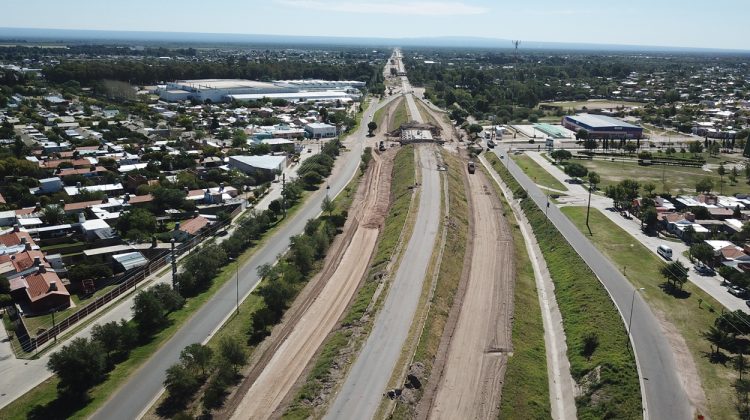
(600,121)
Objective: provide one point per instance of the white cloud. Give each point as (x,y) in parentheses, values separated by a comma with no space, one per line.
(406,8)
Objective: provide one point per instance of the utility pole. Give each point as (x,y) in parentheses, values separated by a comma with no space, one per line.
(238,286)
(283,196)
(174,265)
(588,208)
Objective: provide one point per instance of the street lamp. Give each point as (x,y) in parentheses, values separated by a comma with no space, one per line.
(632,301)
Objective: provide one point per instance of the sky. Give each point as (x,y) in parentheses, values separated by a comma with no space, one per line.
(721,24)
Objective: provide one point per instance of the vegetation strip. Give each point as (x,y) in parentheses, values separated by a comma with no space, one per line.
(526,386)
(448,280)
(692,312)
(341,346)
(598,351)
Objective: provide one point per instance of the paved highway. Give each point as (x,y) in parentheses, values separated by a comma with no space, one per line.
(137,394)
(363,389)
(664,395)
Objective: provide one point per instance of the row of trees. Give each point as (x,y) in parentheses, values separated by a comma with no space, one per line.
(84,362)
(316,168)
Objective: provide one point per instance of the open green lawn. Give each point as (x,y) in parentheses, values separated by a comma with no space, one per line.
(676,179)
(537,173)
(689,317)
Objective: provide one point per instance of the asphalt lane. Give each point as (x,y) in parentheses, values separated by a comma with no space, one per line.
(131,399)
(363,389)
(664,395)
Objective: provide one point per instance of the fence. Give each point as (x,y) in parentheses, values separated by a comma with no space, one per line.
(129,280)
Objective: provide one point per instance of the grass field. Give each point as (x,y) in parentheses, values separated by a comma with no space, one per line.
(403,178)
(449,276)
(586,309)
(537,173)
(676,179)
(526,387)
(689,317)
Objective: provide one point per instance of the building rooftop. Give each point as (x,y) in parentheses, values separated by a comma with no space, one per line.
(597,121)
(269,162)
(224,84)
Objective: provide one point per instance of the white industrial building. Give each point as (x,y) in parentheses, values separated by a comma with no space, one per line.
(251,164)
(320,131)
(222,90)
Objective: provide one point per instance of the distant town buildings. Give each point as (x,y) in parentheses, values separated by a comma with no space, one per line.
(225,90)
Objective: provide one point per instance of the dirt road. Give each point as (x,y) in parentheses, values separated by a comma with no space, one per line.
(346,265)
(471,382)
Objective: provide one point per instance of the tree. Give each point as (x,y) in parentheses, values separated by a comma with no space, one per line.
(197,356)
(702,252)
(590,144)
(630,147)
(169,298)
(695,147)
(148,313)
(114,338)
(560,155)
(705,185)
(688,235)
(53,214)
(4,285)
(180,382)
(718,338)
(582,134)
(575,170)
(649,188)
(137,224)
(721,171)
(650,217)
(79,365)
(239,138)
(371,126)
(232,352)
(675,273)
(275,206)
(327,206)
(733,174)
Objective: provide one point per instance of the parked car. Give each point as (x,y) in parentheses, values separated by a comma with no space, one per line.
(490,144)
(574,181)
(740,292)
(664,251)
(703,269)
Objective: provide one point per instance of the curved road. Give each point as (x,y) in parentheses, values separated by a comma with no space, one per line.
(139,392)
(661,388)
(363,389)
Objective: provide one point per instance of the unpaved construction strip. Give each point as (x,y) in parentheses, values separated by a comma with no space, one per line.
(289,359)
(472,378)
(364,386)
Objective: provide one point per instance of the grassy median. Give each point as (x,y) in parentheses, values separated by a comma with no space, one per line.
(691,315)
(540,175)
(343,340)
(526,385)
(606,370)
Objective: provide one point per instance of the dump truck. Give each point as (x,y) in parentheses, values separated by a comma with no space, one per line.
(470,167)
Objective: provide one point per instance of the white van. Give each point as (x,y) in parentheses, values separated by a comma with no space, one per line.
(664,251)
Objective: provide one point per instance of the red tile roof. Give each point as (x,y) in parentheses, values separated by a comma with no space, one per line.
(82,171)
(14,238)
(137,199)
(39,285)
(192,226)
(732,252)
(25,260)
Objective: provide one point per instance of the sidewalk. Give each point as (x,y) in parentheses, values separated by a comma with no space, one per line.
(578,195)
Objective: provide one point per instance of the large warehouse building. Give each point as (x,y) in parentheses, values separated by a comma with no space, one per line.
(222,90)
(602,127)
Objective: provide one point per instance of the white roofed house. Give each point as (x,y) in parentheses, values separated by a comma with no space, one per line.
(320,130)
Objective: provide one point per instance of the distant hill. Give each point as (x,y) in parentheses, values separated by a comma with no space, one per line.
(10,35)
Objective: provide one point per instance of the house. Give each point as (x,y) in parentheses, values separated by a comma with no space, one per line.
(677,223)
(96,229)
(21,263)
(42,291)
(48,186)
(190,228)
(320,131)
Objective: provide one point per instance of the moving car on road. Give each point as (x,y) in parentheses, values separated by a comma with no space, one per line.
(471,167)
(664,251)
